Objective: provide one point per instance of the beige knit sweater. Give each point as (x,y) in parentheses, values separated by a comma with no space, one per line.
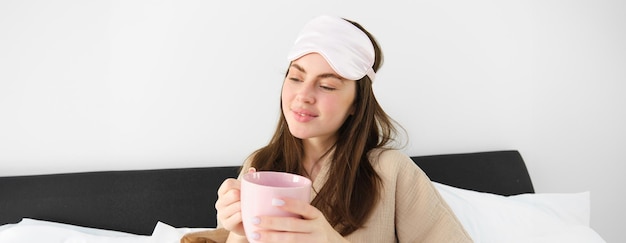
(410,208)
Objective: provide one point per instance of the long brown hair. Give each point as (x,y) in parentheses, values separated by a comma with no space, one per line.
(352,189)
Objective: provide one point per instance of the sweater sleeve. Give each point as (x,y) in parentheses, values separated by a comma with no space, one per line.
(421,214)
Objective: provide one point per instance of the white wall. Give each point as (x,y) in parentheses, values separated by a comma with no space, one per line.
(112,85)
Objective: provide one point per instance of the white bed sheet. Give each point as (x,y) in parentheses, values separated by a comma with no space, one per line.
(31,230)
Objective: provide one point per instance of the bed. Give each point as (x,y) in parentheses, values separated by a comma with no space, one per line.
(491,192)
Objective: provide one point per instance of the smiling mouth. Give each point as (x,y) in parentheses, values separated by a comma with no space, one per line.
(303,116)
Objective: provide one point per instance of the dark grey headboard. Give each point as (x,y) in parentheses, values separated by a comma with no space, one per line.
(129,201)
(134,201)
(499,172)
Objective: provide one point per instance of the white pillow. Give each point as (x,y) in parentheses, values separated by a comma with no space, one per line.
(493,218)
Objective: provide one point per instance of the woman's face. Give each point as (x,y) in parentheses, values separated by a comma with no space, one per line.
(316,100)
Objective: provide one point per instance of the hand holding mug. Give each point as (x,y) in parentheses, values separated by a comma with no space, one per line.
(228,205)
(261,191)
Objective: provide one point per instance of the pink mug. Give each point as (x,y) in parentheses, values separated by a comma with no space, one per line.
(258,189)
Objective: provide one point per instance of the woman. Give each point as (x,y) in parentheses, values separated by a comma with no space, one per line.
(333,131)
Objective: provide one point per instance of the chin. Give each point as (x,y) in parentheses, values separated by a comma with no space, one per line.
(299,134)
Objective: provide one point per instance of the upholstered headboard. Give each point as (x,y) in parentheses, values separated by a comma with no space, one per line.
(134,201)
(499,172)
(129,201)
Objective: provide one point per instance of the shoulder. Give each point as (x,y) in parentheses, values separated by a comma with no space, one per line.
(247,164)
(393,163)
(248,161)
(390,158)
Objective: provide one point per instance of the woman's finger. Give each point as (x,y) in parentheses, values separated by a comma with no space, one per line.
(230,216)
(298,207)
(284,224)
(227,185)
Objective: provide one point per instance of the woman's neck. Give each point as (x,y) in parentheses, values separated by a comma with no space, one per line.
(315,152)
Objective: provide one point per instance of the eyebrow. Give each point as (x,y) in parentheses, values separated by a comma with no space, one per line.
(324,75)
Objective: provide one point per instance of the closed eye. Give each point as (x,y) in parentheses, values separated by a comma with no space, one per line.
(327,88)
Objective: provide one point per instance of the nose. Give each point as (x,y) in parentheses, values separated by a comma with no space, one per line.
(306,94)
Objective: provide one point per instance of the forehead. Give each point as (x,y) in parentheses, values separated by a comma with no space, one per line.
(313,63)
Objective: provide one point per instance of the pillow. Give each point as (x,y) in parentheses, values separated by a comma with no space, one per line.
(494,218)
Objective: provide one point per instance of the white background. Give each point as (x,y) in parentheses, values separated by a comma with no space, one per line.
(113,85)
